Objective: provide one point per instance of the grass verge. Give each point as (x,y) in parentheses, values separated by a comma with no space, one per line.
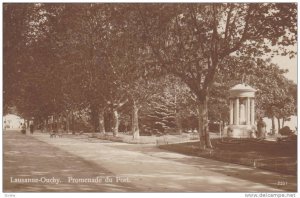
(279,157)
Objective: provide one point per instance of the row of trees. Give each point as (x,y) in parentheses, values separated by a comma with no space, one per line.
(65,58)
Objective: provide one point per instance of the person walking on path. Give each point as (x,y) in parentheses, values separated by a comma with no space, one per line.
(23,128)
(31,127)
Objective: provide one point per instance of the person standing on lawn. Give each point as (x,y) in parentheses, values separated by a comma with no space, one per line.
(261,129)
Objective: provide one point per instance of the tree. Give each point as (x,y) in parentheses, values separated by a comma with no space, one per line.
(218,102)
(102,49)
(283,105)
(140,92)
(81,40)
(15,26)
(273,96)
(89,37)
(30,64)
(169,104)
(192,40)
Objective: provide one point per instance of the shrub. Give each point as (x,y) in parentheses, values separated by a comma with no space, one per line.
(286,131)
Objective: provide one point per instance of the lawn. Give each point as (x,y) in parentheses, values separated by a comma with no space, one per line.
(158,140)
(274,156)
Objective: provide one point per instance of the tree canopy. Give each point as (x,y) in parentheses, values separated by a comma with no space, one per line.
(109,59)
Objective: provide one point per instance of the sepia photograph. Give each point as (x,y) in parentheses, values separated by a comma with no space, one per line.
(153,97)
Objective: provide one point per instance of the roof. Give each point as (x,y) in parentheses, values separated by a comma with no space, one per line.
(9,116)
(243,87)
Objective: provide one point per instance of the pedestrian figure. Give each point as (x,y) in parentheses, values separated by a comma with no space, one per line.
(31,128)
(23,128)
(261,129)
(54,128)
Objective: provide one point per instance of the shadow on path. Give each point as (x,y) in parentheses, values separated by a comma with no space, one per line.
(156,171)
(272,179)
(28,158)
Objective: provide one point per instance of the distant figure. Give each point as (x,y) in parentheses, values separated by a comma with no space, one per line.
(261,129)
(42,127)
(31,128)
(54,127)
(23,128)
(65,127)
(4,125)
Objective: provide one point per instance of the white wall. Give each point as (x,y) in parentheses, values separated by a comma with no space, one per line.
(292,123)
(13,121)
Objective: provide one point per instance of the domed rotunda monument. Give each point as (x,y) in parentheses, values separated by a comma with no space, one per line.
(242,112)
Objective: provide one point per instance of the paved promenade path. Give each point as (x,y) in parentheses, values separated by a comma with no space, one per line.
(123,167)
(26,157)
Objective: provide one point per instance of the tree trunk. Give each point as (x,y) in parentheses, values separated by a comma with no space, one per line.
(273,125)
(220,128)
(283,120)
(94,117)
(116,122)
(203,124)
(278,120)
(177,116)
(47,127)
(101,121)
(178,122)
(73,122)
(68,122)
(135,122)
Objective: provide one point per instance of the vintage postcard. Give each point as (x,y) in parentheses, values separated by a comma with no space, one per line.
(150,97)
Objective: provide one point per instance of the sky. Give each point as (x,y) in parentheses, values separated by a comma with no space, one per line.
(285,63)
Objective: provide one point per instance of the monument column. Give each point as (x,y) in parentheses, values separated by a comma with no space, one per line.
(231,111)
(252,111)
(237,111)
(248,111)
